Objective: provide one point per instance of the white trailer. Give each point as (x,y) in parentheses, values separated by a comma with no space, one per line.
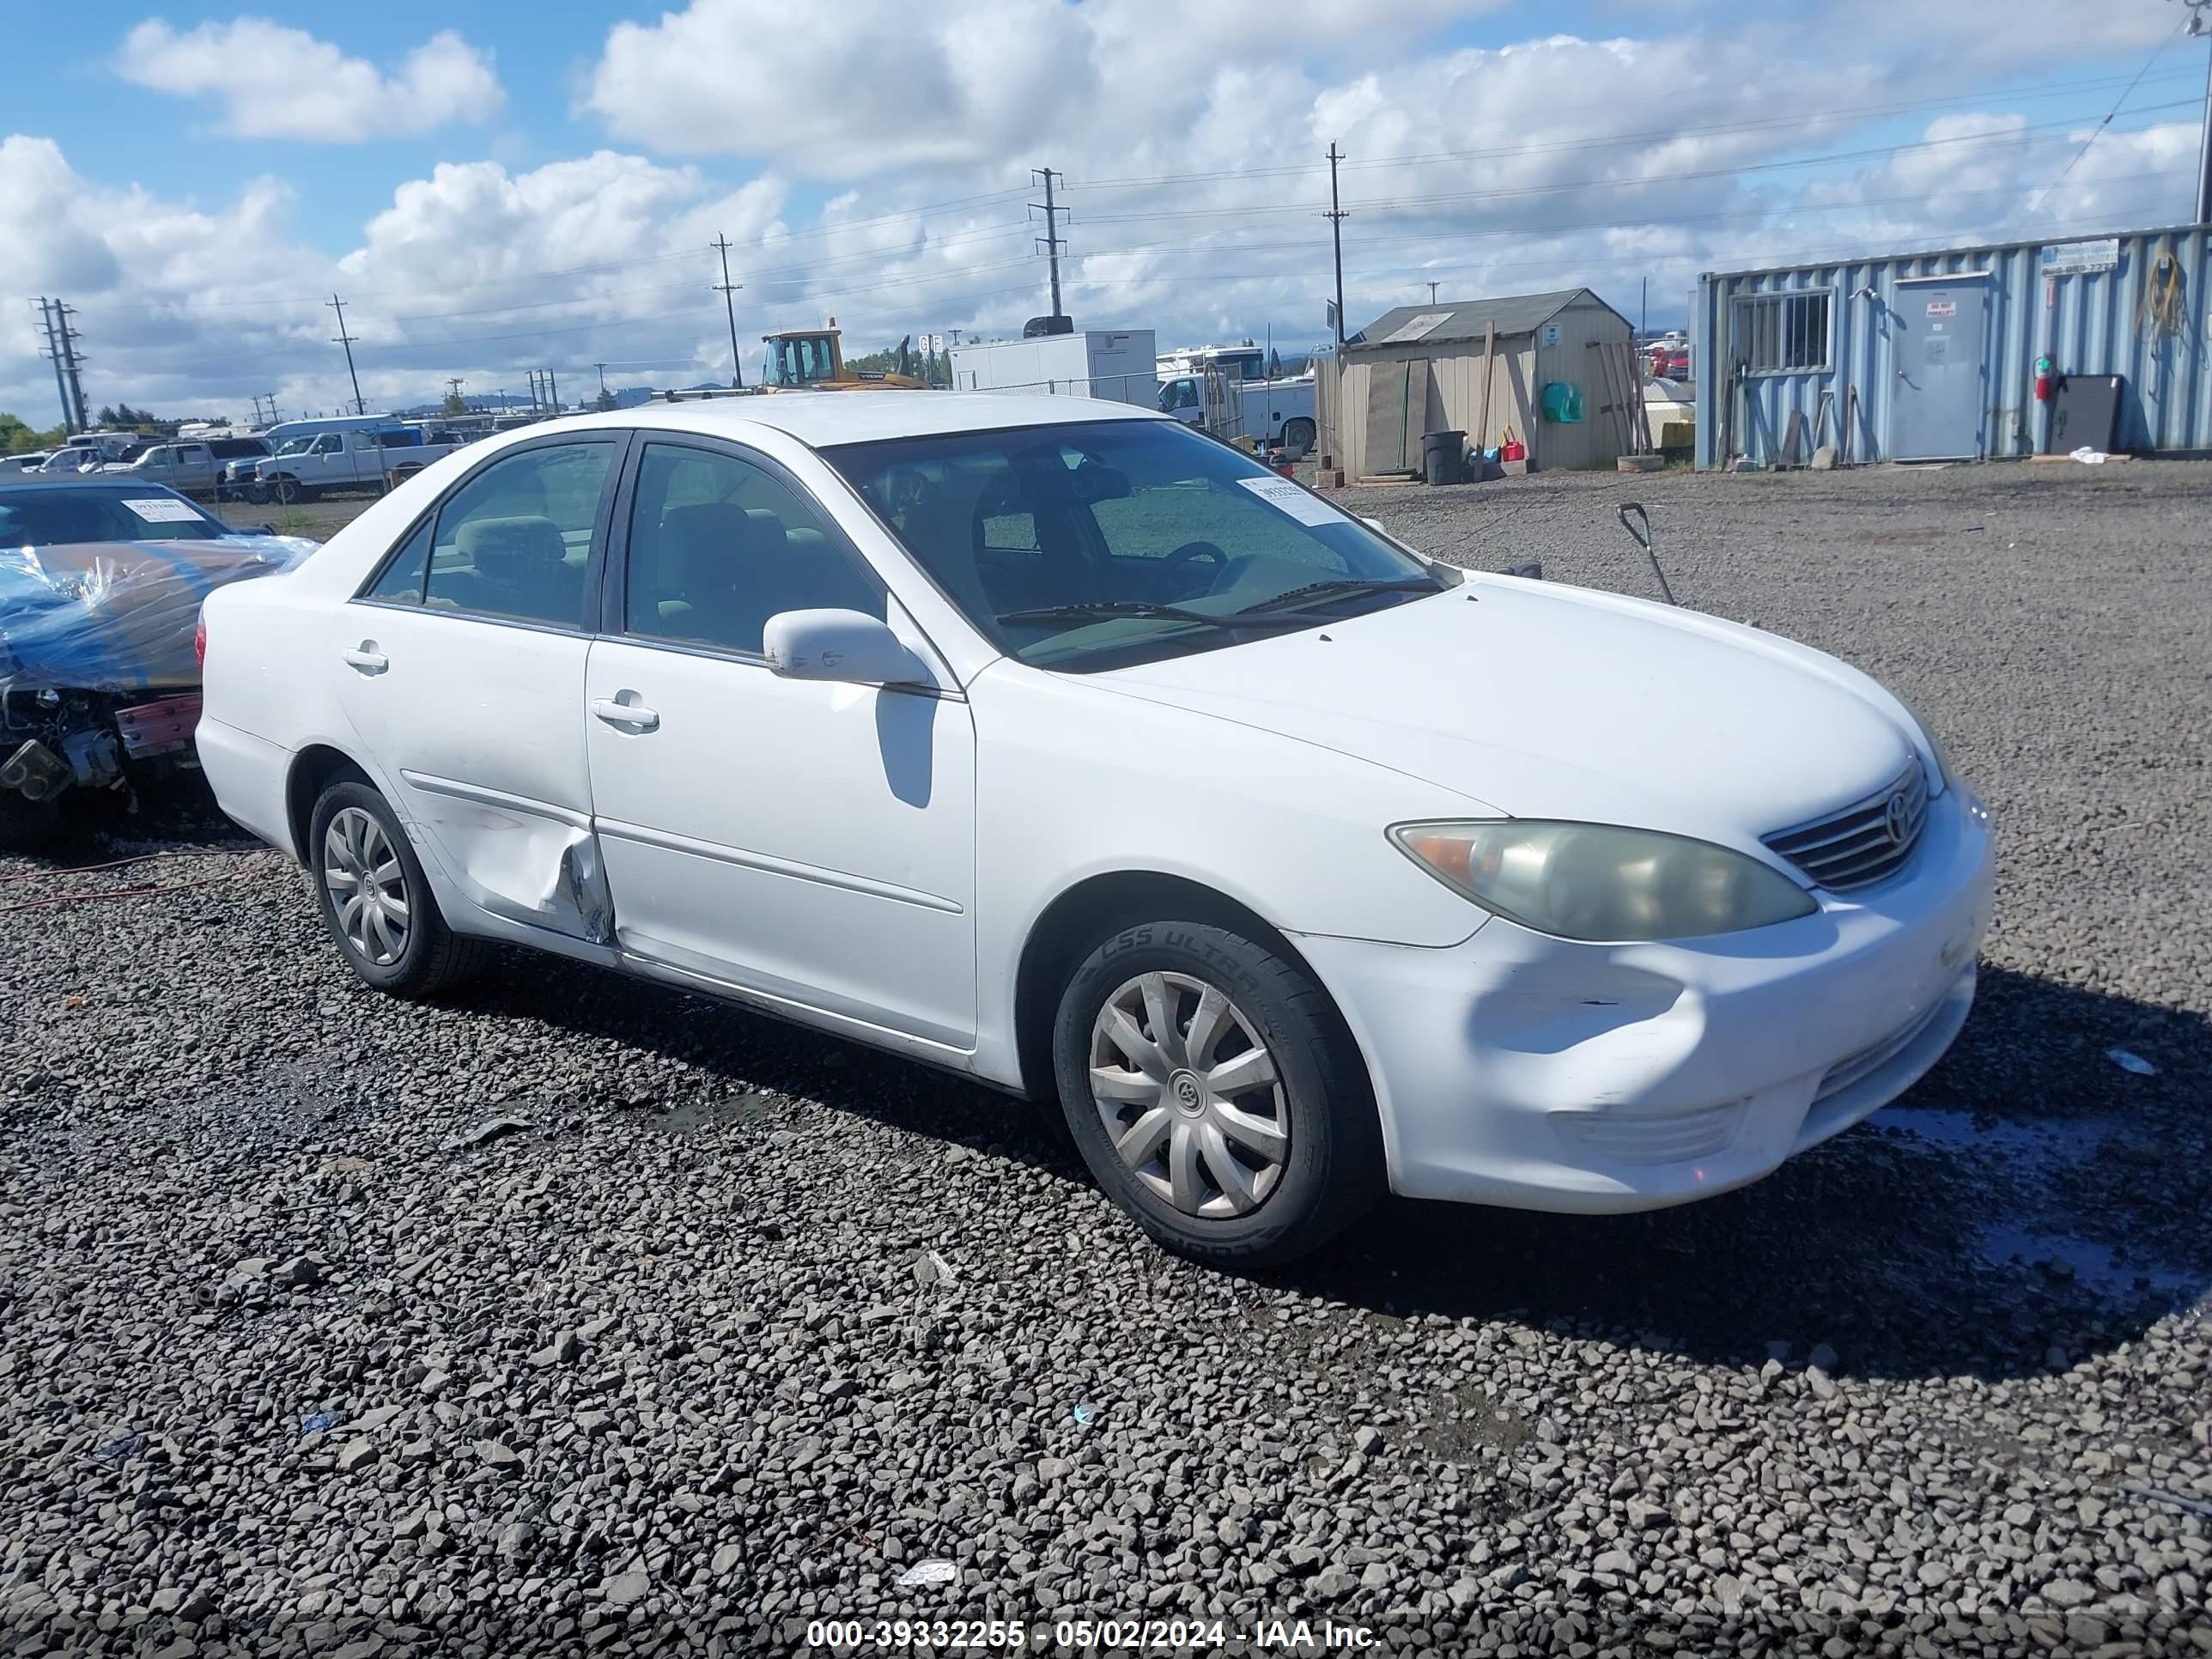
(1116,364)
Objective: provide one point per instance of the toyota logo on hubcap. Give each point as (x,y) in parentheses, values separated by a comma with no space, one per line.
(1187,1094)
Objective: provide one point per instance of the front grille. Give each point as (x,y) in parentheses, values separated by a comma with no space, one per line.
(1865,842)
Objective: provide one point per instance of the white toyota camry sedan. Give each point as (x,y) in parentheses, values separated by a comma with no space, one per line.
(1060,744)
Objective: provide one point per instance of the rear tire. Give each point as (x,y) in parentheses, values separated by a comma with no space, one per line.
(1298,438)
(376,902)
(1212,1090)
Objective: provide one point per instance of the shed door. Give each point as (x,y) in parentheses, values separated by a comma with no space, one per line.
(1935,332)
(1397,407)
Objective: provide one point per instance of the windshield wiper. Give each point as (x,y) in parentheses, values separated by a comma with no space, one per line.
(1336,585)
(1100,610)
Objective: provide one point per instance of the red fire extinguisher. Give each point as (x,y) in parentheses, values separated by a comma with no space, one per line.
(2046,379)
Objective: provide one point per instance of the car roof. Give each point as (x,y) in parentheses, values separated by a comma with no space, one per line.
(822,419)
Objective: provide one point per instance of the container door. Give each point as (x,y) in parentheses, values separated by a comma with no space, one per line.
(1936,333)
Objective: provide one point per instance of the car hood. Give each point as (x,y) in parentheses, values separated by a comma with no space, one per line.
(121,616)
(1535,699)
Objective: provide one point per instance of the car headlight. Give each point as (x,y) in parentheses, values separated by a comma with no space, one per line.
(1597,882)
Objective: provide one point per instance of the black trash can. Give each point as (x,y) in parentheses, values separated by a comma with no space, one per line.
(1443,456)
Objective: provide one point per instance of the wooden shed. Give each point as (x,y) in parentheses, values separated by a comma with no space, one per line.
(1422,368)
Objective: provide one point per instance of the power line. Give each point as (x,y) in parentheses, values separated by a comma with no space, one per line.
(1512,193)
(2098,131)
(360,405)
(1612,141)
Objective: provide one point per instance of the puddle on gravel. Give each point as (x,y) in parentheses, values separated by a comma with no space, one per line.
(2021,1167)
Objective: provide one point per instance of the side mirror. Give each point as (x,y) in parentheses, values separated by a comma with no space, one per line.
(839,644)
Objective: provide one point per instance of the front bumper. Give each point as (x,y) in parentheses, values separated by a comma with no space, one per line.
(1521,1070)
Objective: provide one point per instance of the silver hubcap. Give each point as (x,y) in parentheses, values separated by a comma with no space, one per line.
(1189,1096)
(367,886)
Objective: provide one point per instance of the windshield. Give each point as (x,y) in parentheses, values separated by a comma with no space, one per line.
(33,517)
(1097,545)
(295,445)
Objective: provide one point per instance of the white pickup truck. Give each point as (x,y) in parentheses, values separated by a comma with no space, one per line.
(1278,410)
(306,467)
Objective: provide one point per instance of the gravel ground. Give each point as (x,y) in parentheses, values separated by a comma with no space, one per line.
(578,1316)
(318,520)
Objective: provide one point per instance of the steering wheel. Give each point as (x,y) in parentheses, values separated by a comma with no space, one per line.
(1169,582)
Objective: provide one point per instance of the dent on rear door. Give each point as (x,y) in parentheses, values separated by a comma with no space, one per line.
(479,729)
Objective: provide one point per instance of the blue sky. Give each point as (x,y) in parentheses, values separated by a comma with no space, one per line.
(503,185)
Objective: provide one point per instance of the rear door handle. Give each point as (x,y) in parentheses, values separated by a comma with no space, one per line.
(367,658)
(635,716)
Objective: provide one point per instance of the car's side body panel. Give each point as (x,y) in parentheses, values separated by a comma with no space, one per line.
(812,841)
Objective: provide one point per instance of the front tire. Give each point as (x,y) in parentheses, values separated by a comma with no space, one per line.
(1298,438)
(377,902)
(1212,1090)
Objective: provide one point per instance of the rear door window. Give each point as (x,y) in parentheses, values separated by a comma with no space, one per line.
(514,541)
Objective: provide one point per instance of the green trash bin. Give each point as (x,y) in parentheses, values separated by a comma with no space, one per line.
(1562,402)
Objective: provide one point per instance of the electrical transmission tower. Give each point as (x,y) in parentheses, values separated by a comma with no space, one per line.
(61,346)
(360,407)
(1051,240)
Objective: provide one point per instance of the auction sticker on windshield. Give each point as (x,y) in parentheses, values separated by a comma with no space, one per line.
(157,509)
(1300,504)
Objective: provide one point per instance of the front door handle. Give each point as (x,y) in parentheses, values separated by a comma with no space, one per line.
(367,658)
(633,716)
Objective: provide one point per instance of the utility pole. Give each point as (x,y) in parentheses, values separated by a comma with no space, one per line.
(1051,228)
(1432,293)
(1643,325)
(552,391)
(1336,234)
(2198,26)
(729,310)
(454,386)
(360,406)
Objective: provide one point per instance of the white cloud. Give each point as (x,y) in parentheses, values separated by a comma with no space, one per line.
(276,82)
(1196,181)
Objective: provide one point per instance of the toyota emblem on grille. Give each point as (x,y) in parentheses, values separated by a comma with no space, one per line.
(1898,814)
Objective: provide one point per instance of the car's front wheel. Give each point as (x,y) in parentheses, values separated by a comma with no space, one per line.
(375,901)
(1213,1091)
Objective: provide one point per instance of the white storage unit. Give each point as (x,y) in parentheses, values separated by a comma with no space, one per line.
(1116,364)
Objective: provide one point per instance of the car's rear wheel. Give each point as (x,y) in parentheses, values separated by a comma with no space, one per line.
(1298,438)
(376,899)
(1212,1090)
